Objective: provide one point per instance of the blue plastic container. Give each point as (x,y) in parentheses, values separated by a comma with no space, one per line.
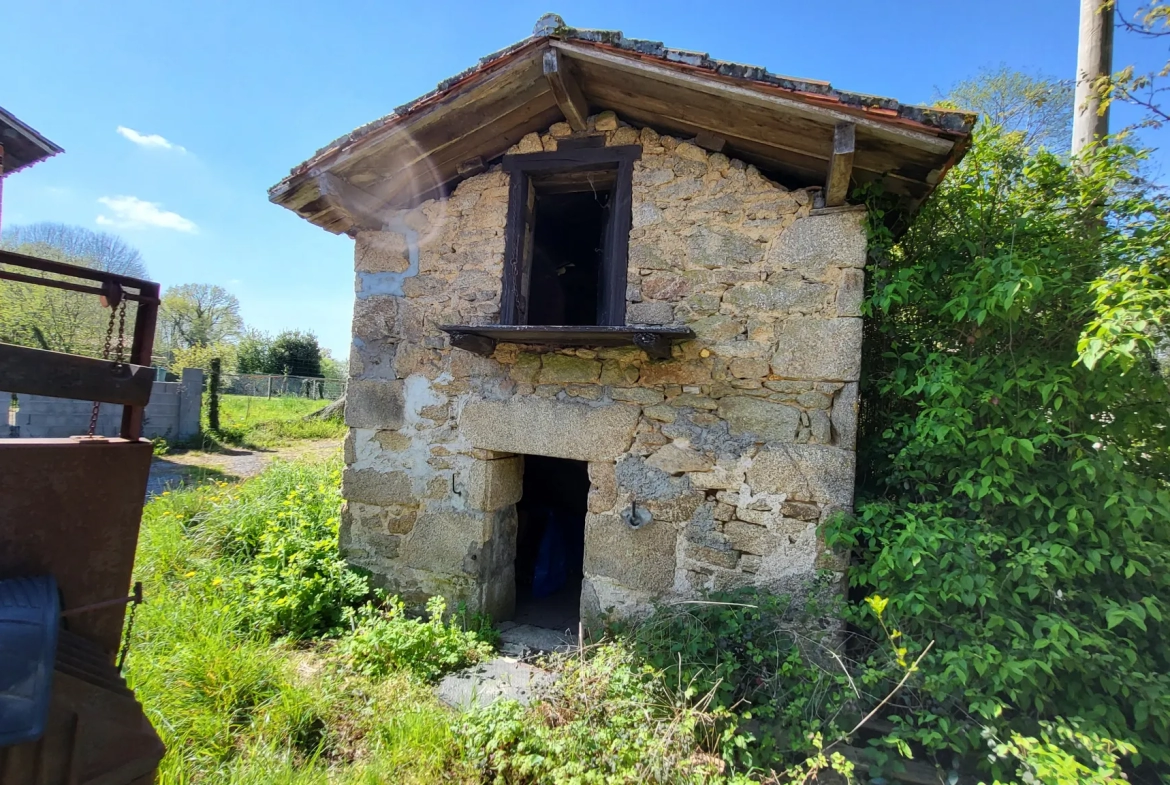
(29,617)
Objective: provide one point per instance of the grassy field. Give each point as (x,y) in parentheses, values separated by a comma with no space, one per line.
(237,701)
(254,422)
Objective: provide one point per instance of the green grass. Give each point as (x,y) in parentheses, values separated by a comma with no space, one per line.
(260,423)
(245,410)
(345,696)
(234,705)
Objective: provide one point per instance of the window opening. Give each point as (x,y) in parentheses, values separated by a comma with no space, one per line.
(568,250)
(567,237)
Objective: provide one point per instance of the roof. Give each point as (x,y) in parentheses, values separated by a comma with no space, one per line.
(23,145)
(799,132)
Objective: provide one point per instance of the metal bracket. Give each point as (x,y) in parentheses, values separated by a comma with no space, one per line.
(476,344)
(657,347)
(111,296)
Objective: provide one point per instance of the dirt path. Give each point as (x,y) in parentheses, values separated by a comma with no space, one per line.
(170,471)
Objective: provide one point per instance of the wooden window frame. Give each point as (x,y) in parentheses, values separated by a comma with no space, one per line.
(524,170)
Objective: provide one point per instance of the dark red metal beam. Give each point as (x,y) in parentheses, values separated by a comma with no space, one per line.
(146,294)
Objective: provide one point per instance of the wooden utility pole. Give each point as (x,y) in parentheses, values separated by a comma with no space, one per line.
(1094,61)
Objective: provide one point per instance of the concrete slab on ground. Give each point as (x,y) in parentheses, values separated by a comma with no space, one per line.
(487,682)
(525,641)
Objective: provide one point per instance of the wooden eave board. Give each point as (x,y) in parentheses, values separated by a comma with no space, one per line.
(788,136)
(25,146)
(667,105)
(449,119)
(821,109)
(429,176)
(422,154)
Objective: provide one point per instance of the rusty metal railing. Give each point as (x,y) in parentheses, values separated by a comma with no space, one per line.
(40,372)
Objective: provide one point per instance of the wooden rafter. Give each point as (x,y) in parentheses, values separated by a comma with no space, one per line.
(566,90)
(840,165)
(726,90)
(709,141)
(364,209)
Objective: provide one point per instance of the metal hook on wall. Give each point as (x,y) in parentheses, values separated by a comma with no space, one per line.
(636,517)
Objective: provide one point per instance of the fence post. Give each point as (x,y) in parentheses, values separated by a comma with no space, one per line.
(269,386)
(213,395)
(190,400)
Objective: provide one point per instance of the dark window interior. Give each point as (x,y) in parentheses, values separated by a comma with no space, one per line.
(567,253)
(550,544)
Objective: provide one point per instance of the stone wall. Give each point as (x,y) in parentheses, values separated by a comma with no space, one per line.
(710,470)
(173,413)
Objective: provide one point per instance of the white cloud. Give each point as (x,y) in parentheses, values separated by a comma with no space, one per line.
(130,212)
(149,140)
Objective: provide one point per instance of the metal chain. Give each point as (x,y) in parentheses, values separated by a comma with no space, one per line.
(97,405)
(118,361)
(120,313)
(135,601)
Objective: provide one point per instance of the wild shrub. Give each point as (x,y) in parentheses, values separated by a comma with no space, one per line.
(385,640)
(758,655)
(1062,755)
(232,703)
(298,585)
(608,719)
(277,534)
(1015,510)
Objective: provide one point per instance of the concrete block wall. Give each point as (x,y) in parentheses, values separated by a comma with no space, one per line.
(173,413)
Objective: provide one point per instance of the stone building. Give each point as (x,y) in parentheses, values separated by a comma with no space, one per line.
(607,329)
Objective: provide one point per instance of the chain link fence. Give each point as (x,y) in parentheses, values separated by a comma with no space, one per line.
(263,386)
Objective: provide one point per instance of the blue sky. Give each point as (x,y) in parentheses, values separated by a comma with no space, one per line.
(239,92)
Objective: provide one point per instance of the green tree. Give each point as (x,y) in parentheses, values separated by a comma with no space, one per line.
(76,245)
(1144,89)
(296,353)
(201,356)
(1014,502)
(198,314)
(253,351)
(56,319)
(331,367)
(1037,108)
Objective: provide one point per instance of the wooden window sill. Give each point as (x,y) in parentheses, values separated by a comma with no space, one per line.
(482,340)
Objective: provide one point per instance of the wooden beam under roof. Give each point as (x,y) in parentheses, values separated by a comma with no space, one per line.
(660,105)
(822,114)
(804,157)
(365,211)
(711,142)
(566,90)
(447,119)
(840,165)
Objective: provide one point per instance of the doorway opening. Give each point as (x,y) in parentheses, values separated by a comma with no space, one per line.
(568,249)
(550,543)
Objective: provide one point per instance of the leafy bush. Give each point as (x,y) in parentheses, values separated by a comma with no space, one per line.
(232,704)
(1016,511)
(758,656)
(1048,759)
(298,585)
(608,719)
(386,640)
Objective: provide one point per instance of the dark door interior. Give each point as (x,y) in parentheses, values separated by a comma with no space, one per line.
(550,545)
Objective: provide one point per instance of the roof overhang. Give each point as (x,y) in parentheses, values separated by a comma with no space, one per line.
(800,133)
(23,146)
